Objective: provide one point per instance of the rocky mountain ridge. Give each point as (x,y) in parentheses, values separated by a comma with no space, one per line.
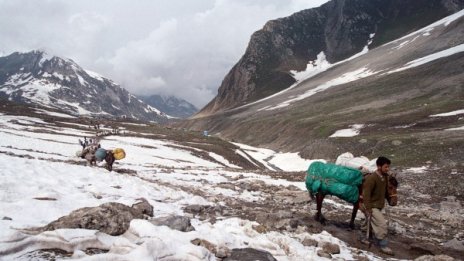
(170,105)
(339,28)
(402,99)
(45,80)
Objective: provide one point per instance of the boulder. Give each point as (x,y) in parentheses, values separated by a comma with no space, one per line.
(111,218)
(454,244)
(180,223)
(143,207)
(322,253)
(309,242)
(329,248)
(204,243)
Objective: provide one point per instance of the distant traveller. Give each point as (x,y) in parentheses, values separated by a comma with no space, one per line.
(374,191)
(110,156)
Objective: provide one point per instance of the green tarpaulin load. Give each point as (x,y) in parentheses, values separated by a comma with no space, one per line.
(331,179)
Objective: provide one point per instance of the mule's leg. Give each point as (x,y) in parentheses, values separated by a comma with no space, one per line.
(319,217)
(353,214)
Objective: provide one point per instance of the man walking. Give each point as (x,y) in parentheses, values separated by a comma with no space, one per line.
(374,191)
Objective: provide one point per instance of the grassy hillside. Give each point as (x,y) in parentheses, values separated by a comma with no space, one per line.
(393,108)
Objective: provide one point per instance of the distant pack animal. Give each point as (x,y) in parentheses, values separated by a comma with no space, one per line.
(392,199)
(89,154)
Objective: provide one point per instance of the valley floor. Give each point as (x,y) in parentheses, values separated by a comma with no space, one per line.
(229,207)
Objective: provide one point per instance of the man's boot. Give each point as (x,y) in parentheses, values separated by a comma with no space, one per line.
(384,248)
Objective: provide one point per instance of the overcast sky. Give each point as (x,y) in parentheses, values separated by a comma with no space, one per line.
(172,47)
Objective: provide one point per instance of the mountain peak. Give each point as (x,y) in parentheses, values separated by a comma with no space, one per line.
(170,105)
(47,80)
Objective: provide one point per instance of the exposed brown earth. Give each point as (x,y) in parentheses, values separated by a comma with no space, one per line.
(428,220)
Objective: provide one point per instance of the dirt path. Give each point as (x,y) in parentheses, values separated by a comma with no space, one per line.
(291,209)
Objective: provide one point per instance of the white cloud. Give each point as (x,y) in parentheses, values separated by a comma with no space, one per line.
(184,48)
(87,22)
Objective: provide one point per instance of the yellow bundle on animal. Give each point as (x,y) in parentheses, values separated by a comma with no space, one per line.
(119,153)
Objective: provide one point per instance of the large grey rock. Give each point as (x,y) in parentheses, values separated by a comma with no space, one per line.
(218,251)
(455,245)
(142,207)
(309,242)
(111,218)
(249,254)
(322,253)
(330,248)
(180,223)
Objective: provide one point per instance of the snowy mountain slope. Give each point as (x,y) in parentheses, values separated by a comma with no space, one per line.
(390,90)
(339,28)
(41,180)
(54,82)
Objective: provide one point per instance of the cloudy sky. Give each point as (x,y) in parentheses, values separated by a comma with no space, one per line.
(171,47)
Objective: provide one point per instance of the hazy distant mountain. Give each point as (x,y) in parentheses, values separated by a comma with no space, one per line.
(170,105)
(339,28)
(38,78)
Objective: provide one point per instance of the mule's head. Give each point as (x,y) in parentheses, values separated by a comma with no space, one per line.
(392,186)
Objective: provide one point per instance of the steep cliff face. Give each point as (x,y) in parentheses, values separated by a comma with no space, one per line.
(339,28)
(402,99)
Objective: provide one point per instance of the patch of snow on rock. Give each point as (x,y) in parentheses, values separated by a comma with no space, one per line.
(345,78)
(222,160)
(312,68)
(446,114)
(351,132)
(454,129)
